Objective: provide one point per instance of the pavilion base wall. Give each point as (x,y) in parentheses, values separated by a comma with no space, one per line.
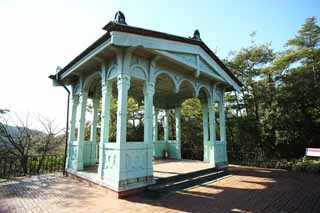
(159,147)
(126,167)
(171,146)
(220,154)
(110,192)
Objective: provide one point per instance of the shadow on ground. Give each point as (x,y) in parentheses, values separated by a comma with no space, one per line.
(248,190)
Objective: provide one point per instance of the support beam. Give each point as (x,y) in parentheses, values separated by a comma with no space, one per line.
(81,132)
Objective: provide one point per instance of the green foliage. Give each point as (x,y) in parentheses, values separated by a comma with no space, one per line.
(277,111)
(191,124)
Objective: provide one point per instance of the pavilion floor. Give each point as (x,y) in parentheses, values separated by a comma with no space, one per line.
(162,168)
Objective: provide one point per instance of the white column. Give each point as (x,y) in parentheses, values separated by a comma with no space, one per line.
(105,122)
(223,138)
(148,104)
(155,125)
(178,131)
(71,139)
(212,129)
(222,121)
(205,132)
(123,84)
(93,133)
(81,132)
(166,126)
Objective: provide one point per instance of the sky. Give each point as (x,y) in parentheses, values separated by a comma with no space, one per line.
(36,36)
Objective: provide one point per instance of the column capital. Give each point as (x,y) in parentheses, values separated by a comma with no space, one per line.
(83,94)
(148,88)
(204,105)
(106,87)
(75,99)
(123,80)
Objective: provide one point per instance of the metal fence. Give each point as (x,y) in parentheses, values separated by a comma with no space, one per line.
(30,165)
(234,157)
(255,159)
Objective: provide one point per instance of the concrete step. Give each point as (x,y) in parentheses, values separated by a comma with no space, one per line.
(180,177)
(179,182)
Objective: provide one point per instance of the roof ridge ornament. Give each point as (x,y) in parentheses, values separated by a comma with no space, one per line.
(119,18)
(196,35)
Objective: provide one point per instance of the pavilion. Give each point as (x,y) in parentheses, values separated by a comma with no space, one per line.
(157,69)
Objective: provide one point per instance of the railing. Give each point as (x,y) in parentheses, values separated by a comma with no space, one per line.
(244,158)
(30,165)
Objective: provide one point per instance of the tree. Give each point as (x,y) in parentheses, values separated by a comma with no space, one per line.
(278,107)
(298,101)
(250,65)
(20,140)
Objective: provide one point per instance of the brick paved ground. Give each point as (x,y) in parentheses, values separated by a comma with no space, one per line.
(248,190)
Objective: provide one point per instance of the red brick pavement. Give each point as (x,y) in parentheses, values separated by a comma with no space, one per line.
(248,190)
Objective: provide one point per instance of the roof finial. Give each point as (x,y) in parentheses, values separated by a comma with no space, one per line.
(196,35)
(119,18)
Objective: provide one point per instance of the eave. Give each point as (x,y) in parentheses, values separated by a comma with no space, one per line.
(112,26)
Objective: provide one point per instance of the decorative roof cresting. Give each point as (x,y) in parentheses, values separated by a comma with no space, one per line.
(120,18)
(196,35)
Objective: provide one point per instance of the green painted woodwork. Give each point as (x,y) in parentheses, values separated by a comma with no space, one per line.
(71,162)
(166,126)
(123,165)
(176,153)
(159,146)
(212,130)
(206,141)
(81,131)
(155,125)
(93,133)
(106,90)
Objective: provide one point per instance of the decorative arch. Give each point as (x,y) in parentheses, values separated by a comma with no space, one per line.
(164,72)
(206,90)
(192,84)
(88,80)
(112,71)
(138,71)
(217,95)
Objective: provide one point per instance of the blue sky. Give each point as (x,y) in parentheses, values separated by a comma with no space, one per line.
(38,35)
(224,24)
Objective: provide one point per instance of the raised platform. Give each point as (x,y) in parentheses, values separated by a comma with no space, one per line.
(165,169)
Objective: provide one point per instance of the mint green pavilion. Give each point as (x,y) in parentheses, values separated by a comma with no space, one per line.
(157,69)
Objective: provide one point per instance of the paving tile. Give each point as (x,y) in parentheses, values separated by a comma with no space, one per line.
(247,190)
